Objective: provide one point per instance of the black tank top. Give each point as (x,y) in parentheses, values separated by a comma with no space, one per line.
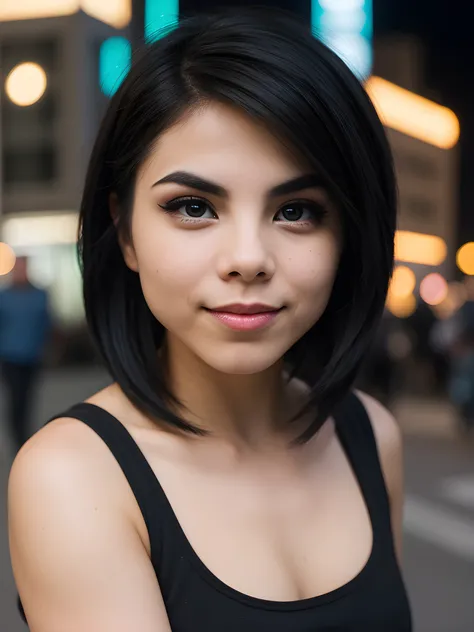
(197,601)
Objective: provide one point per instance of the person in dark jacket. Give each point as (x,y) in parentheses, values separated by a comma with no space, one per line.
(24,327)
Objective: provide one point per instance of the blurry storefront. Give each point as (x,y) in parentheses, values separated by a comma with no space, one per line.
(51,103)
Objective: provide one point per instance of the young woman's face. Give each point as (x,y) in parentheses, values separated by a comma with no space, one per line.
(223,216)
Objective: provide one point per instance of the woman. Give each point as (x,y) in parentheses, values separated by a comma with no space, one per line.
(237,240)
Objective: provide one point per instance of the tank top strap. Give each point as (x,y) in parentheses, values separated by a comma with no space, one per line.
(142,480)
(355,432)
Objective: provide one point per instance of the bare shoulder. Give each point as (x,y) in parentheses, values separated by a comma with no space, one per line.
(77,558)
(66,452)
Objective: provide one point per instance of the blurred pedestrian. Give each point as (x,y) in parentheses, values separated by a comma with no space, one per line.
(24,327)
(461,386)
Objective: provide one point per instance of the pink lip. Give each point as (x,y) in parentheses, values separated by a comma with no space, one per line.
(245,317)
(241,308)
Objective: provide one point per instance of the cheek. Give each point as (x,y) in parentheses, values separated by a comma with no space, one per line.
(170,266)
(316,268)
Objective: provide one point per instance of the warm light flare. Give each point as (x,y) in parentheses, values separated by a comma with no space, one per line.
(401,306)
(465,258)
(117,13)
(419,248)
(412,114)
(434,289)
(7,259)
(455,298)
(26,84)
(114,12)
(29,9)
(403,282)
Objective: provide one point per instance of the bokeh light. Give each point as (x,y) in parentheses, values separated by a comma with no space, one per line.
(455,298)
(115,58)
(433,289)
(114,12)
(428,250)
(26,84)
(465,258)
(403,281)
(412,114)
(7,259)
(117,13)
(401,306)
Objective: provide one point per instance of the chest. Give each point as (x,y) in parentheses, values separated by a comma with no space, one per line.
(269,532)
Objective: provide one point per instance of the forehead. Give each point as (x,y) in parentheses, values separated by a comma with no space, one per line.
(223,143)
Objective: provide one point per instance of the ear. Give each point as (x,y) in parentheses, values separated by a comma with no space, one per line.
(124,239)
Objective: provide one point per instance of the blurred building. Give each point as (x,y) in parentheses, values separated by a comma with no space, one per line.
(423,135)
(51,102)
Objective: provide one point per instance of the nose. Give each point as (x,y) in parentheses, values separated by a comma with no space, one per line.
(246,255)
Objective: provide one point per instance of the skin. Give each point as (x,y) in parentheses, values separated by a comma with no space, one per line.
(295,524)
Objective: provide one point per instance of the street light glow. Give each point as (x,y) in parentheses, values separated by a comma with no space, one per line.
(433,289)
(114,12)
(411,247)
(117,13)
(26,84)
(403,282)
(7,259)
(465,258)
(401,306)
(412,114)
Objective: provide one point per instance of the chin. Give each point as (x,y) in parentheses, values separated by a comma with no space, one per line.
(243,361)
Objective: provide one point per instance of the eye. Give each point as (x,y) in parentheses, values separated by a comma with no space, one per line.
(189,207)
(302,211)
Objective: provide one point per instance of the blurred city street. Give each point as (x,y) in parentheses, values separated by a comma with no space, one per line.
(439,515)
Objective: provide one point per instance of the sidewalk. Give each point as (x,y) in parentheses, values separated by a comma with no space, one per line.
(56,391)
(427,417)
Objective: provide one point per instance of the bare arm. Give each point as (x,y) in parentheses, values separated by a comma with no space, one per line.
(78,561)
(390,446)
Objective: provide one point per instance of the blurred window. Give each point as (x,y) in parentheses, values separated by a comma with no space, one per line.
(29,134)
(416,166)
(419,207)
(29,166)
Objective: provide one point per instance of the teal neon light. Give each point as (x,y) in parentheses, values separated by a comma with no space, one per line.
(114,63)
(160,17)
(346,26)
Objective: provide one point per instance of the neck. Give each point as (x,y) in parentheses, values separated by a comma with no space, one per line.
(245,409)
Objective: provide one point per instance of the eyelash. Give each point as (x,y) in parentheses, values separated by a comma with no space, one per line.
(317,210)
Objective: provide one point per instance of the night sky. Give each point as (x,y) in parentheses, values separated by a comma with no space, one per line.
(446,30)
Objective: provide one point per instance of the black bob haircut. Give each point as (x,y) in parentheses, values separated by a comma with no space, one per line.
(270,66)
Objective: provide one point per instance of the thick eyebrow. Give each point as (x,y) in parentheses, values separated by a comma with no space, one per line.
(194,182)
(308,181)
